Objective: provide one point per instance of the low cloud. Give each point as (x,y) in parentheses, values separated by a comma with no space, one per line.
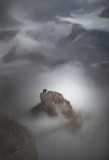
(89,21)
(58,143)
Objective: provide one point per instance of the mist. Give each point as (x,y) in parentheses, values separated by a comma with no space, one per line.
(89,21)
(61,46)
(88,100)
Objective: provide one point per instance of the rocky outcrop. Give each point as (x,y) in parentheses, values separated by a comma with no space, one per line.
(16,143)
(53,103)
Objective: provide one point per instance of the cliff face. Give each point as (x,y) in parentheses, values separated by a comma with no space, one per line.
(53,103)
(16,142)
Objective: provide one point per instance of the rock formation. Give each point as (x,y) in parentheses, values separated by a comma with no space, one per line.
(16,143)
(53,103)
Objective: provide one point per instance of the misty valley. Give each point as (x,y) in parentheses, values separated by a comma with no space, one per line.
(54,79)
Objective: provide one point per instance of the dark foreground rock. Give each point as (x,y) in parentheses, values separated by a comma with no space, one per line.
(16,143)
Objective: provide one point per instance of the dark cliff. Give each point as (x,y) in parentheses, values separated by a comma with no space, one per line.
(16,143)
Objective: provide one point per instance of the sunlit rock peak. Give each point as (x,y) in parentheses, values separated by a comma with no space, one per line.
(53,103)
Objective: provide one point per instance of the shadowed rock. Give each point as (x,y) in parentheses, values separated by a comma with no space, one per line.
(16,143)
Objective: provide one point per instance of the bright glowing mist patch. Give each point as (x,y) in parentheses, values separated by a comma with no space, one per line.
(71,81)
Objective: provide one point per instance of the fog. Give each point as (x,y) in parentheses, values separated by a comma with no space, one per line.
(89,21)
(90,142)
(47,52)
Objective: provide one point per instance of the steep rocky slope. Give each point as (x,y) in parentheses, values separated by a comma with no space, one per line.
(16,143)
